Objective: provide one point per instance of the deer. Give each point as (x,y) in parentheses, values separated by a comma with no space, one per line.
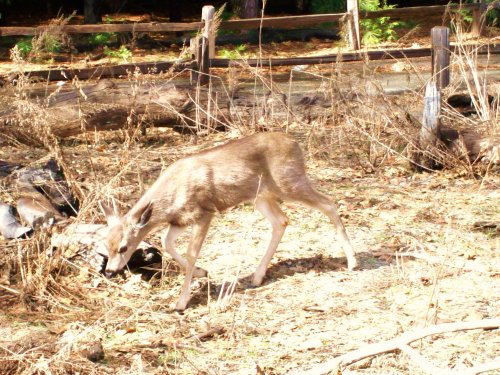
(264,169)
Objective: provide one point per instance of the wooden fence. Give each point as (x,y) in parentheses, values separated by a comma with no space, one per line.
(203,47)
(477,8)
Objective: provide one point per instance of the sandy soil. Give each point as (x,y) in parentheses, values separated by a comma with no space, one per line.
(310,307)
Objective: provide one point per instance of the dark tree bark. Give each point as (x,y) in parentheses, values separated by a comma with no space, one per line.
(251,9)
(303,6)
(92,11)
(54,7)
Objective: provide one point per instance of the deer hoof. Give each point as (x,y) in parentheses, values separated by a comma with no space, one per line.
(257,281)
(179,308)
(352,265)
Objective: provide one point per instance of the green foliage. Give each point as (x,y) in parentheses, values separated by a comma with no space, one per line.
(234,53)
(101,39)
(492,15)
(25,46)
(328,6)
(104,38)
(226,15)
(465,14)
(381,29)
(122,53)
(46,44)
(372,5)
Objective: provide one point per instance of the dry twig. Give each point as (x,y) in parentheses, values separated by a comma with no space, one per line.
(401,344)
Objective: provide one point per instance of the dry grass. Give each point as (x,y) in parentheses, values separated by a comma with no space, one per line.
(422,262)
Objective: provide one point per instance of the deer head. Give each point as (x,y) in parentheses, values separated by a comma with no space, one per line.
(125,233)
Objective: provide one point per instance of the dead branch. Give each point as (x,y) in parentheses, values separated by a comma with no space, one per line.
(484,367)
(421,361)
(401,344)
(217,330)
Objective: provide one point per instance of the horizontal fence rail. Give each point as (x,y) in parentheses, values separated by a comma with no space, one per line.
(163,66)
(104,28)
(327,59)
(417,11)
(287,22)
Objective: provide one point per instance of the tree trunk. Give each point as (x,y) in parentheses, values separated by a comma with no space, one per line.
(251,9)
(92,11)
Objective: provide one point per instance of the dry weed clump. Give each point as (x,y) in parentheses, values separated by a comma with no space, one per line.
(51,40)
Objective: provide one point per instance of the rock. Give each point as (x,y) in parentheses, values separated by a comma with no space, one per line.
(33,206)
(464,103)
(36,211)
(93,351)
(6,168)
(9,226)
(49,181)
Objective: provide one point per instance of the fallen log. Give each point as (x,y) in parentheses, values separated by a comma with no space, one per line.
(111,105)
(101,72)
(104,106)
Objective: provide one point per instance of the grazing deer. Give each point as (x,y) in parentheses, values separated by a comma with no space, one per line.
(264,168)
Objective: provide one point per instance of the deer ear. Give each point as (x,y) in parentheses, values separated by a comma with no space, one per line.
(111,212)
(143,215)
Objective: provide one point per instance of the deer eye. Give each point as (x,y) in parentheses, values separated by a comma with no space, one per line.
(122,249)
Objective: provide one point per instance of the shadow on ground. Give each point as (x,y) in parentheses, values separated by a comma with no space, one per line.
(282,269)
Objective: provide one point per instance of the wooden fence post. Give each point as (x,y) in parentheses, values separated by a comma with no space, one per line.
(431,117)
(478,18)
(203,48)
(353,24)
(426,155)
(207,16)
(195,52)
(441,56)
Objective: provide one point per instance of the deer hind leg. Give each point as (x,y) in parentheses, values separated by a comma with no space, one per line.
(200,230)
(310,197)
(168,244)
(271,210)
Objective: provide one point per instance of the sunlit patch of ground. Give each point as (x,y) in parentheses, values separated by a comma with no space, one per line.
(310,308)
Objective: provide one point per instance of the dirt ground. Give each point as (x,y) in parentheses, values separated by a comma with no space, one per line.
(310,307)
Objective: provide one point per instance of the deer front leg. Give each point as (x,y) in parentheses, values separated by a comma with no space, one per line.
(168,244)
(200,230)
